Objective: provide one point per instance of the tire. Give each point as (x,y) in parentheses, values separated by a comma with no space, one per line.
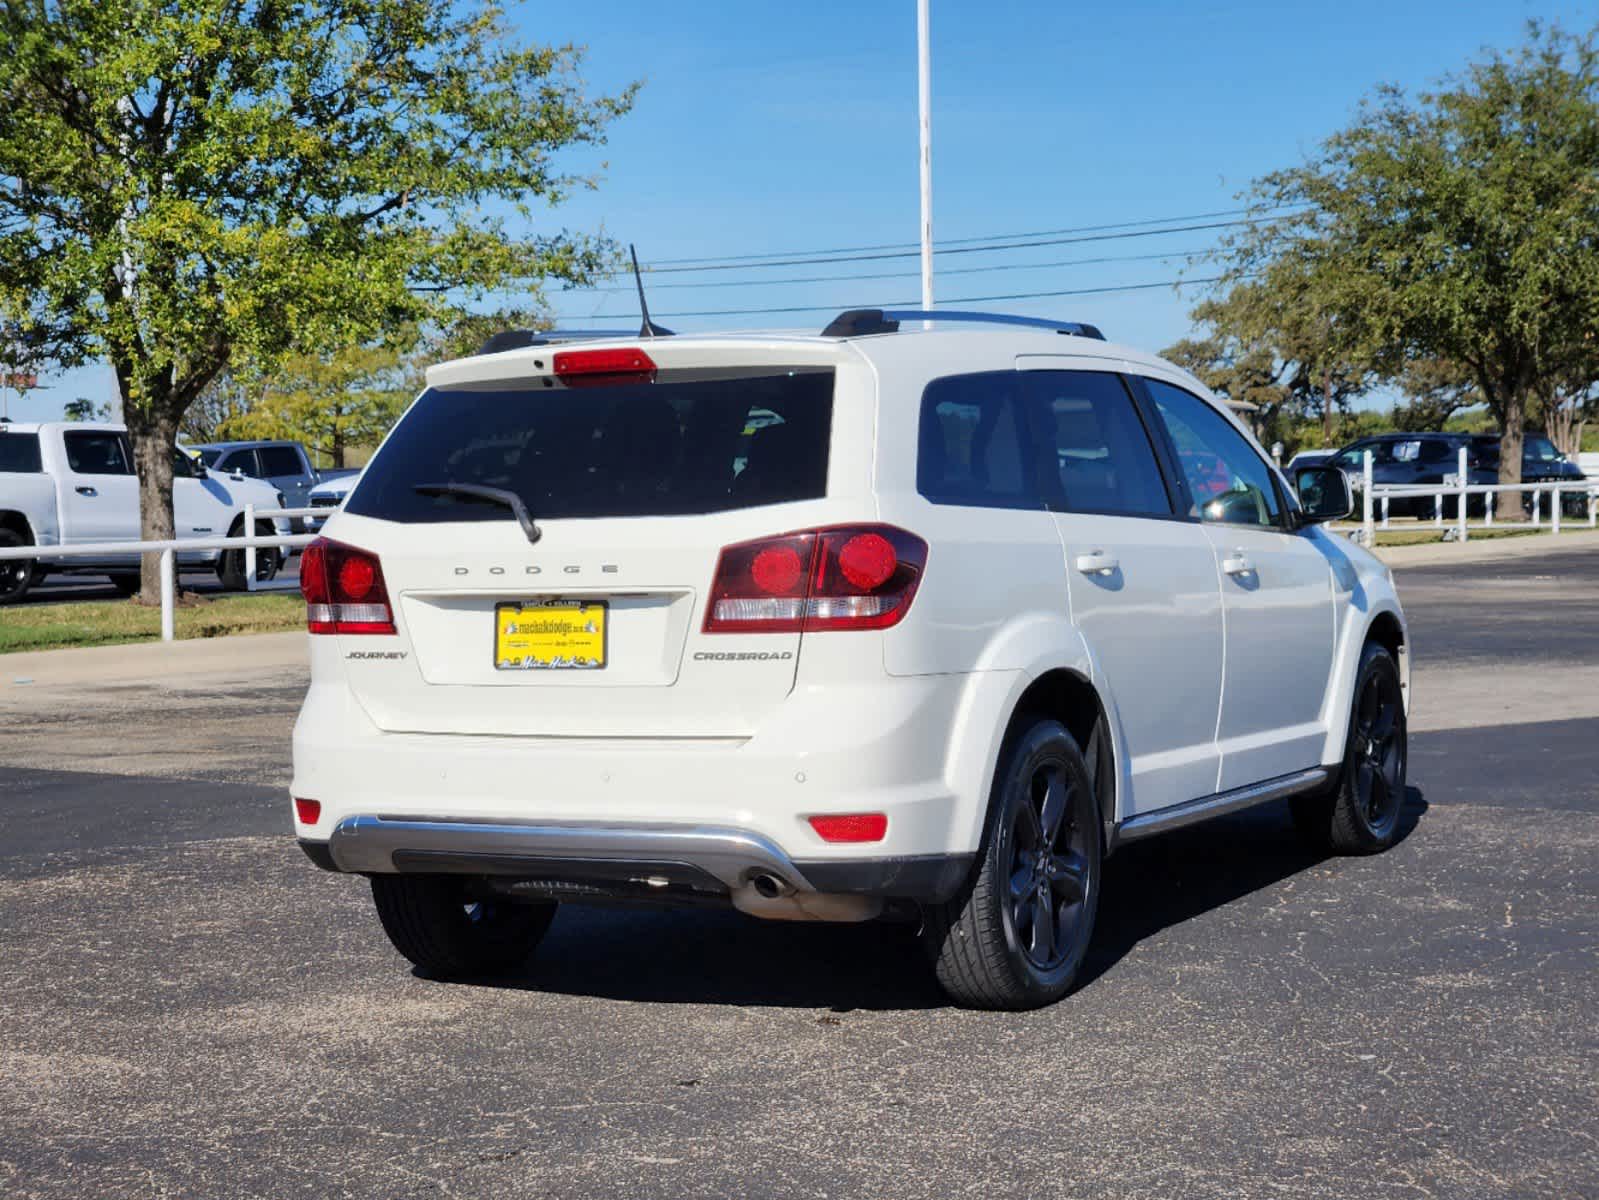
(17,575)
(1359,814)
(126,583)
(435,922)
(989,944)
(230,567)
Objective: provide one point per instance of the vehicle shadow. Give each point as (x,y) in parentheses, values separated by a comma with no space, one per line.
(722,957)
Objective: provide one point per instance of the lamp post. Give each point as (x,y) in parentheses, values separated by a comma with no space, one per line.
(925,97)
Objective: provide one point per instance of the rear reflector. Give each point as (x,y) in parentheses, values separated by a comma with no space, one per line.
(579,368)
(309,812)
(344,590)
(848,577)
(851,827)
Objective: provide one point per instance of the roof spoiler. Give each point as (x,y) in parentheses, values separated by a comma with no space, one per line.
(521,339)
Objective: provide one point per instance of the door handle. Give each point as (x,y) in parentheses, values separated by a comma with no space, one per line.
(1237,563)
(1096,562)
(87,491)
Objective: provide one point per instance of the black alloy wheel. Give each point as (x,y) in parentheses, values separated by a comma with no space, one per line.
(16,574)
(1050,868)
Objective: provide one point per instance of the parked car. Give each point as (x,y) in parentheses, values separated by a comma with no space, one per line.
(283,464)
(930,642)
(331,493)
(1415,459)
(1307,458)
(63,483)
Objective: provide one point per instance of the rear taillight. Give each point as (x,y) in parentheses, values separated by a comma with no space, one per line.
(309,811)
(848,577)
(344,590)
(851,827)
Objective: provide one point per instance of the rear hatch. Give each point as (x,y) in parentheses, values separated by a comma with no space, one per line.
(580,617)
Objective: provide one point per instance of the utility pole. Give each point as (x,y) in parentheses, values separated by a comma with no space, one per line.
(925,90)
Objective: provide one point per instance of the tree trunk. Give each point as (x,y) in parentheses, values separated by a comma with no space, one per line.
(1327,411)
(153,430)
(338,446)
(1512,424)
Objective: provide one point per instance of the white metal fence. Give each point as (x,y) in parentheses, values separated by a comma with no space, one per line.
(169,551)
(1548,502)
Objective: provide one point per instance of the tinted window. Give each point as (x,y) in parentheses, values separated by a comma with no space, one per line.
(95,453)
(1103,457)
(972,448)
(636,450)
(242,461)
(182,466)
(209,457)
(1540,449)
(1228,482)
(279,460)
(19,453)
(1435,450)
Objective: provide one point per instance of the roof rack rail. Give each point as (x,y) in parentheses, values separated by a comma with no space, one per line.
(858,322)
(521,339)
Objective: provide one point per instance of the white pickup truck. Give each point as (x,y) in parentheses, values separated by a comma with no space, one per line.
(72,483)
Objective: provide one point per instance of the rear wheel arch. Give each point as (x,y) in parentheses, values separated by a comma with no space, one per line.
(1066,696)
(17,523)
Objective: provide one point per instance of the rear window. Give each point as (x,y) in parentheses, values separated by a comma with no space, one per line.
(698,445)
(19,453)
(279,460)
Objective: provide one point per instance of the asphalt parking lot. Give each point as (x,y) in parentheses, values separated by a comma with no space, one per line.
(190,1009)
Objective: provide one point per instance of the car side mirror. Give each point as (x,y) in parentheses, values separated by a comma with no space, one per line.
(1323,494)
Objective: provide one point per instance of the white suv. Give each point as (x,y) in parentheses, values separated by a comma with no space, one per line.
(886,621)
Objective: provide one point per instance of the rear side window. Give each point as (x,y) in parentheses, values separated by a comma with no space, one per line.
(19,454)
(91,452)
(279,460)
(972,446)
(1103,459)
(242,461)
(697,445)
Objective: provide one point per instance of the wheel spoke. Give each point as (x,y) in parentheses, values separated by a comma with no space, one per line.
(1366,711)
(1365,773)
(1054,806)
(1068,875)
(1378,803)
(1029,834)
(1387,718)
(1043,928)
(1021,882)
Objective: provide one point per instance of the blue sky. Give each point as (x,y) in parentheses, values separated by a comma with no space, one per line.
(768,127)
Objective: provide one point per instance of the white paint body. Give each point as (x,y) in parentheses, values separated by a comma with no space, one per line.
(62,507)
(1208,685)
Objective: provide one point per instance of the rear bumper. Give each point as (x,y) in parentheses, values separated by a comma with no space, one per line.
(663,863)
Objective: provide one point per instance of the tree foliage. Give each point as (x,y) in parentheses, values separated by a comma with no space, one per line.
(193,186)
(1460,226)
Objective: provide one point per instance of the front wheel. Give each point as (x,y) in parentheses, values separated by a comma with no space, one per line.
(1016,935)
(230,567)
(1359,814)
(16,574)
(437,923)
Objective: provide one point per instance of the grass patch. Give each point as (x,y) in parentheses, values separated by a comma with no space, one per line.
(108,622)
(1421,537)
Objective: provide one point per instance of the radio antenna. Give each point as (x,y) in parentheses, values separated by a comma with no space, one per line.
(650,328)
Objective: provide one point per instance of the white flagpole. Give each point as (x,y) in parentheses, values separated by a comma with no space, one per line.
(925,88)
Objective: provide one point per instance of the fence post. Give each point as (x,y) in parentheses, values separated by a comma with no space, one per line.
(1557,501)
(1368,526)
(1489,499)
(1464,481)
(1537,508)
(249,551)
(168,571)
(1385,512)
(1438,509)
(1593,512)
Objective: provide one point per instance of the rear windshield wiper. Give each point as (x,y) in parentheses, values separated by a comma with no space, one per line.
(486,495)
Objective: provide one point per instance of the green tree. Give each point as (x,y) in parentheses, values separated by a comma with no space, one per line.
(1462,225)
(84,409)
(1264,347)
(1435,389)
(331,402)
(189,186)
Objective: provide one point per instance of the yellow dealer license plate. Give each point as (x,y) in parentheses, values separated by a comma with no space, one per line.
(550,635)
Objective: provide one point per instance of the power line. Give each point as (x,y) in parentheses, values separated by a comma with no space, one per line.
(1022,245)
(1164,256)
(808,308)
(993,237)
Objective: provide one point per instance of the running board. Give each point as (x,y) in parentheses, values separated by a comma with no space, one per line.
(1225,802)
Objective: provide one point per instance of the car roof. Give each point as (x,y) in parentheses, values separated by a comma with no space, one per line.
(249,444)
